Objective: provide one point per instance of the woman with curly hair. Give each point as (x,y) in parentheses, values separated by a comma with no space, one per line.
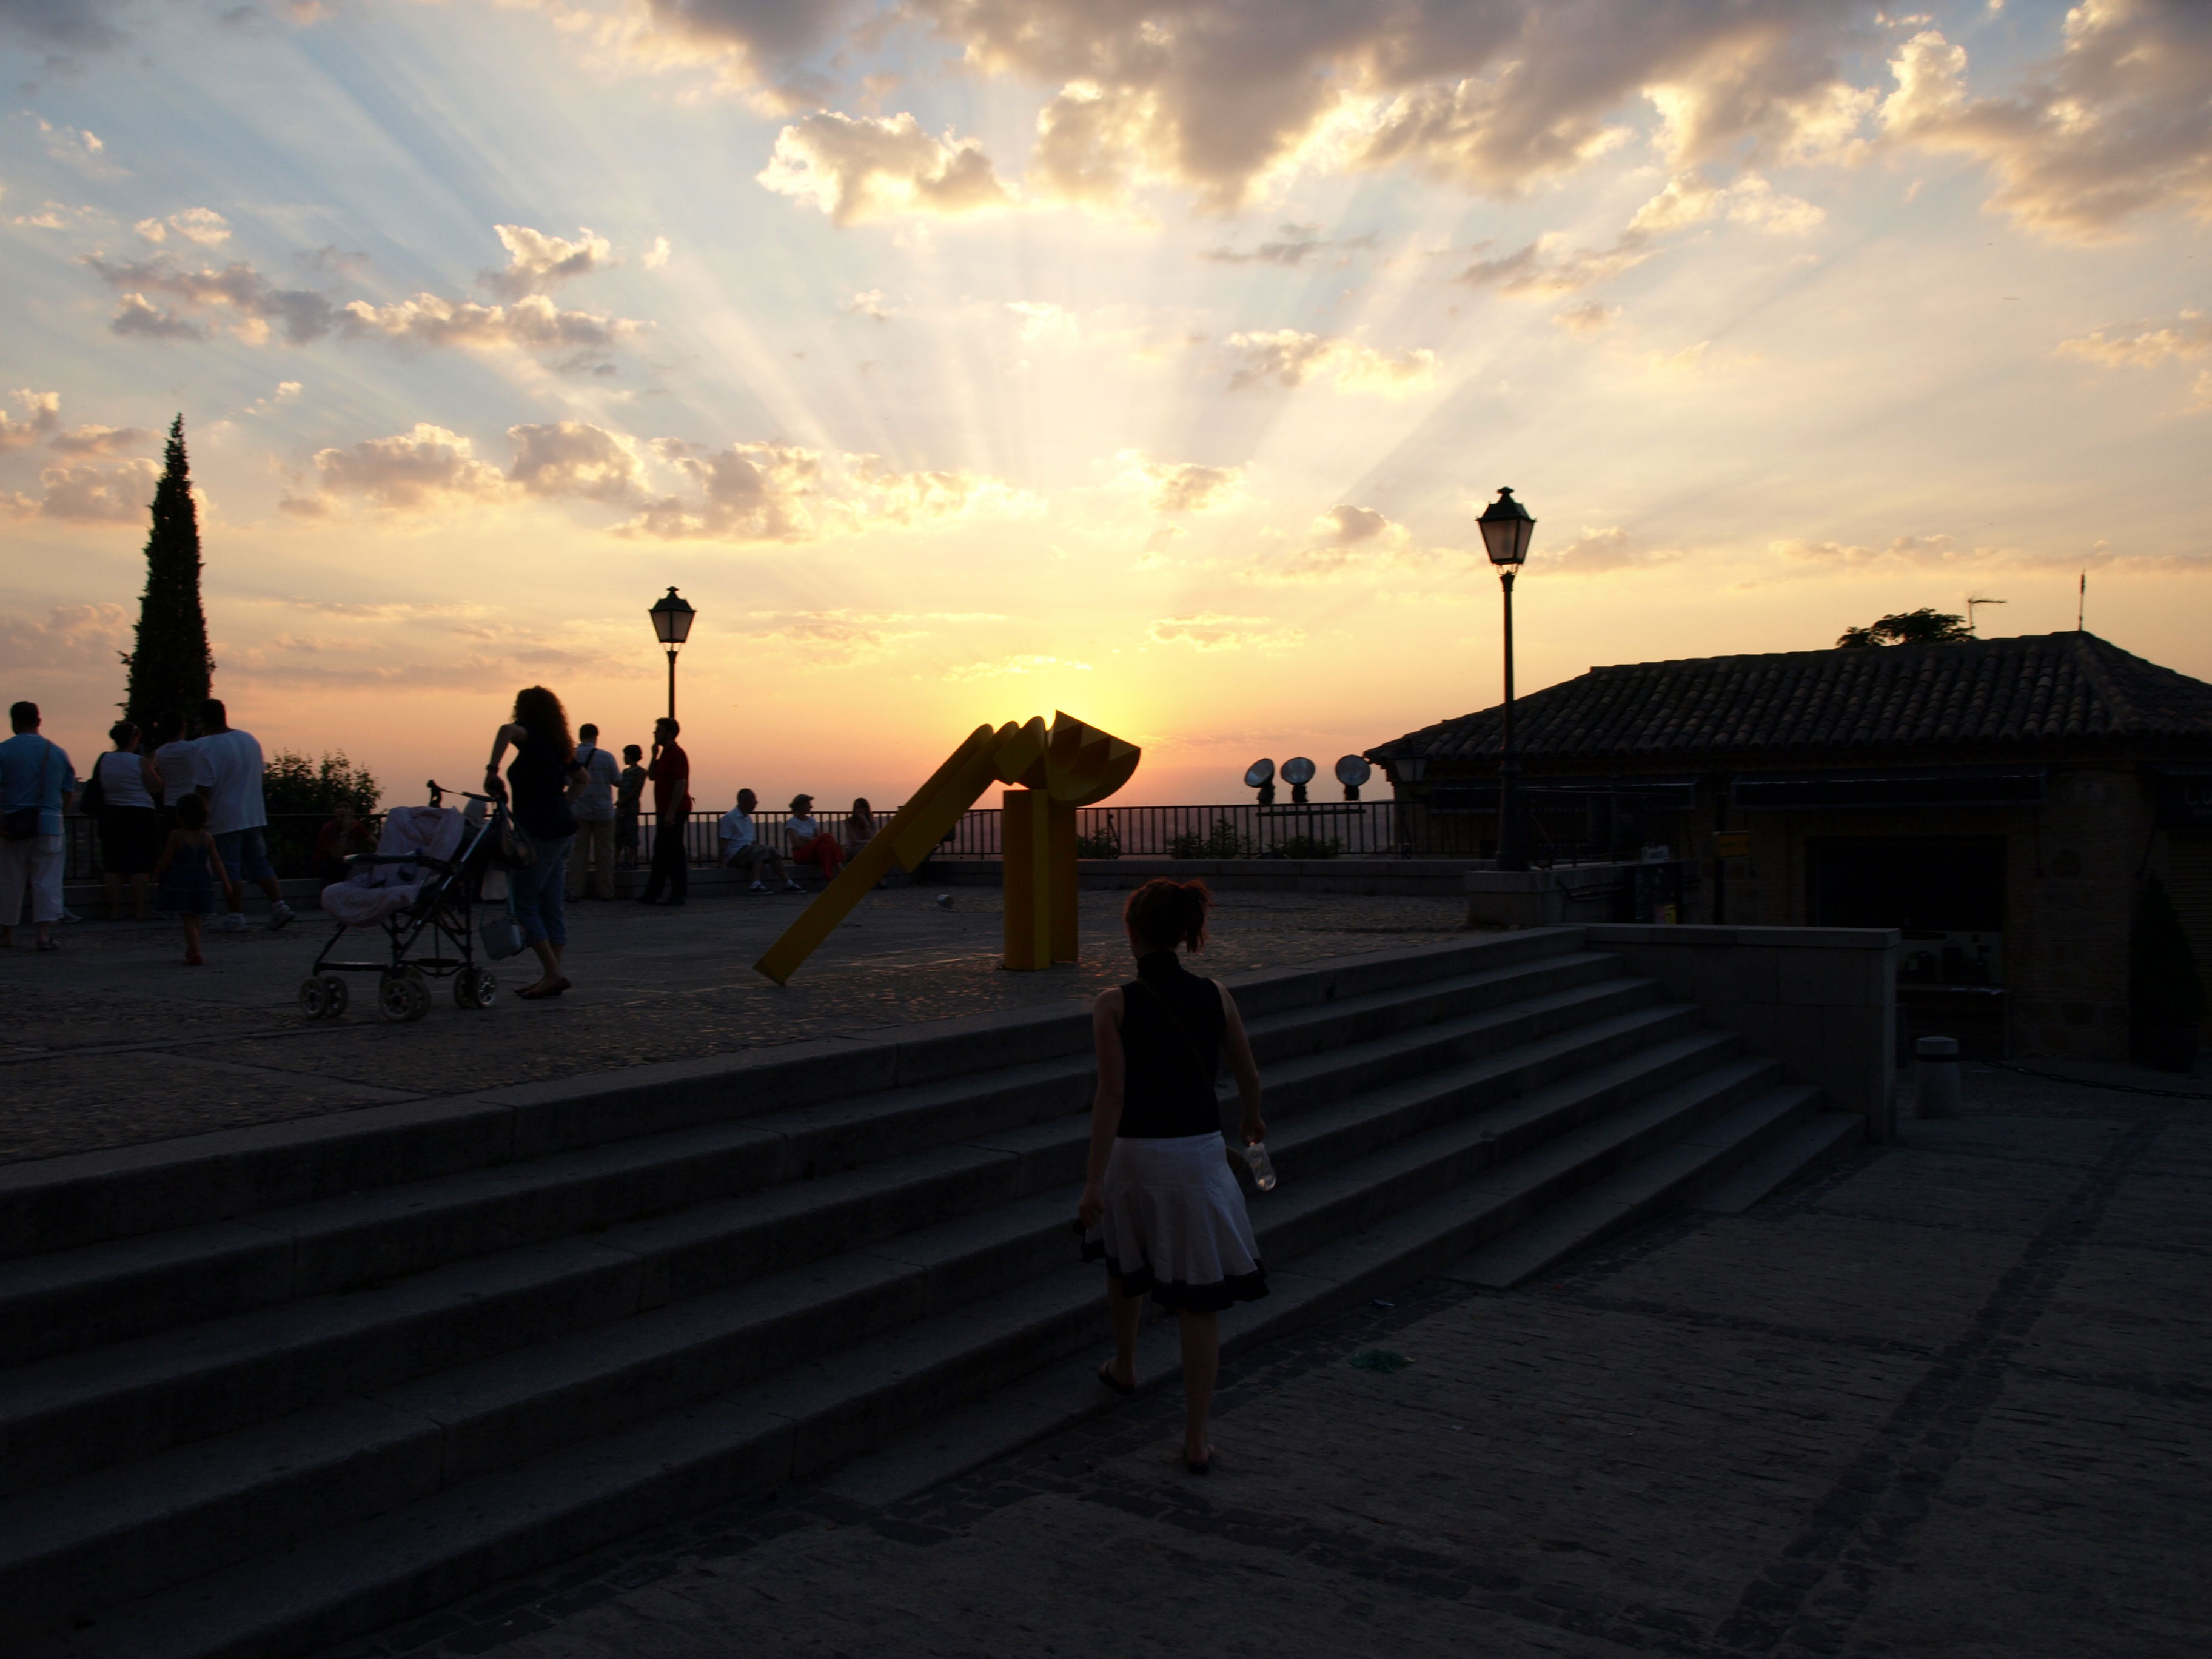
(1159,1205)
(543,768)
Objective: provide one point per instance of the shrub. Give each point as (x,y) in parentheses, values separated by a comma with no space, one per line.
(300,793)
(1222,842)
(1308,846)
(1106,844)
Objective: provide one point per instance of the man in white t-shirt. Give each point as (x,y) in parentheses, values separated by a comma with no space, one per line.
(591,804)
(230,767)
(743,848)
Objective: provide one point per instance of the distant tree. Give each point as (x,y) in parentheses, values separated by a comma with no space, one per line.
(292,783)
(171,668)
(1925,626)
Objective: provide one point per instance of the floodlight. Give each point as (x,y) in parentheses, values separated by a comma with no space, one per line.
(1298,769)
(1259,773)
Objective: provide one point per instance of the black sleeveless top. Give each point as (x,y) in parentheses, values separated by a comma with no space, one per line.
(1171,1026)
(538,779)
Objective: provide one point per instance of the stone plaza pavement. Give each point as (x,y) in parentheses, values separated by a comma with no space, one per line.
(1949,1398)
(114,1042)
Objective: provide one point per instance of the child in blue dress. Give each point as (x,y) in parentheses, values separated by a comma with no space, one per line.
(190,871)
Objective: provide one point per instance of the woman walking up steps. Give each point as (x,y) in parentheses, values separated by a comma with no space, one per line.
(1159,1205)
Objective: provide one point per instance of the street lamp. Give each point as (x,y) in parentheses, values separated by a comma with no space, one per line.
(672,626)
(1506,528)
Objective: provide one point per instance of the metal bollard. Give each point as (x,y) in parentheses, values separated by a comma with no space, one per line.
(1936,1076)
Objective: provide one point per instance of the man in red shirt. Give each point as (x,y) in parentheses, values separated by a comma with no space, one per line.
(671,772)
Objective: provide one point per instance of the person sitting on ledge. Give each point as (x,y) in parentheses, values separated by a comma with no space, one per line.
(743,850)
(810,842)
(860,827)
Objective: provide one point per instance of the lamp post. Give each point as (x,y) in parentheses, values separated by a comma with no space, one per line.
(671,625)
(1506,528)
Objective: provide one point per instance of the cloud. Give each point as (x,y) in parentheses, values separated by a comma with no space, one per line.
(1609,549)
(750,43)
(1347,541)
(78,25)
(1290,358)
(86,492)
(99,440)
(573,459)
(135,314)
(1226,99)
(870,166)
(776,492)
(656,256)
(202,225)
(871,304)
(1299,243)
(416,471)
(1587,317)
(60,216)
(2148,346)
(1211,631)
(302,314)
(1179,486)
(536,262)
(534,324)
(1938,552)
(1020,663)
(77,144)
(72,636)
(1042,320)
(1547,266)
(575,340)
(2118,124)
(41,417)
(1688,199)
(834,636)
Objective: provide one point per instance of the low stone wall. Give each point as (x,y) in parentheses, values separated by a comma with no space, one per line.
(1822,1001)
(1419,877)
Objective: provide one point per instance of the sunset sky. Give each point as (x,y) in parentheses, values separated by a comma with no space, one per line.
(962,360)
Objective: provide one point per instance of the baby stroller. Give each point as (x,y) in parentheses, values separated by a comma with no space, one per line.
(418,886)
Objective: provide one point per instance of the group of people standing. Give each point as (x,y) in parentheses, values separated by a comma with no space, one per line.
(577,818)
(188,815)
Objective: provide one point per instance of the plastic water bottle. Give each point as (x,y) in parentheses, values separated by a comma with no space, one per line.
(1263,1170)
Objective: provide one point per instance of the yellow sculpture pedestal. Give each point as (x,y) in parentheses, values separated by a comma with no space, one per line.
(1070,765)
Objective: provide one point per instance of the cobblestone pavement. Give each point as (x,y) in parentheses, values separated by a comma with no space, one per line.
(114,1040)
(1948,1398)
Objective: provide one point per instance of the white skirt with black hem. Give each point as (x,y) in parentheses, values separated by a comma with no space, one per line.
(1175,1225)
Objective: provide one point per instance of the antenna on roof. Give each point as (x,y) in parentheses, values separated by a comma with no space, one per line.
(1973,600)
(2082,601)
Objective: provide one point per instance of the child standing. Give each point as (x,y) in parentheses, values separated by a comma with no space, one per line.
(188,872)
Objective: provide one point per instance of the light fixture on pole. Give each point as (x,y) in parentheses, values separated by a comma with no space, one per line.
(671,625)
(1506,529)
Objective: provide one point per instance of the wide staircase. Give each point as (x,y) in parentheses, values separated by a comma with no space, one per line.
(268,1389)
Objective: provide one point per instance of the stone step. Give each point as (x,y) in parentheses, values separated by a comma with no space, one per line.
(1640,1191)
(511,1407)
(56,1304)
(113,1291)
(1829,1136)
(86,1198)
(74,1412)
(371,1572)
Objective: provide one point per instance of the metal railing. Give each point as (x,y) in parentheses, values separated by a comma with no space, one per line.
(1566,827)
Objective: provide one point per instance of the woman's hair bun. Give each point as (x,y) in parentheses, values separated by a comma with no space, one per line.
(1164,914)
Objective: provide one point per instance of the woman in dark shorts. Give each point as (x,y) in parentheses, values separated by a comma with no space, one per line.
(544,766)
(1159,1205)
(129,820)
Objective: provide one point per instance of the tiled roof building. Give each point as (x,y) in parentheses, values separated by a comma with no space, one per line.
(2032,693)
(1998,799)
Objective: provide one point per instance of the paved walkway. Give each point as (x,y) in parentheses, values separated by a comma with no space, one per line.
(112,1041)
(1949,1400)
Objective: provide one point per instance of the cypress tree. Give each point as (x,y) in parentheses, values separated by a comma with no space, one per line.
(171,668)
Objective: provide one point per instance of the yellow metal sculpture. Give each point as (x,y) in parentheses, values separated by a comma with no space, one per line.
(1057,770)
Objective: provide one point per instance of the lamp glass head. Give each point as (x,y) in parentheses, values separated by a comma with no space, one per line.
(671,618)
(1298,769)
(1259,772)
(1506,529)
(1353,770)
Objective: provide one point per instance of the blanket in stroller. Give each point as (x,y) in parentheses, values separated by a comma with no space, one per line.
(373,891)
